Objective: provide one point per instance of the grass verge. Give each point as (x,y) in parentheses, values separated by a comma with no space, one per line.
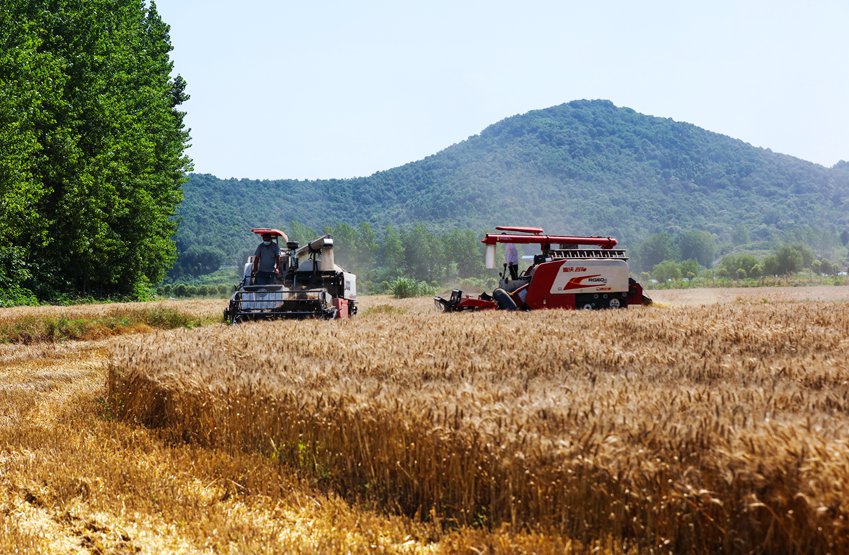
(35,328)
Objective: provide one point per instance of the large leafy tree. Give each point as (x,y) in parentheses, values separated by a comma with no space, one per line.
(92,143)
(697,245)
(465,251)
(788,259)
(29,78)
(654,250)
(392,254)
(424,252)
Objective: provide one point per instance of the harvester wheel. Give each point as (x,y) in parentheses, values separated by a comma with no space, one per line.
(614,303)
(504,300)
(588,306)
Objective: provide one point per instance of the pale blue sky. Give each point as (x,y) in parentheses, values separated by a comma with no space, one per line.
(284,89)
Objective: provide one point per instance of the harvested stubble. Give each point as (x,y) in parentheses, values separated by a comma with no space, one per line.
(690,430)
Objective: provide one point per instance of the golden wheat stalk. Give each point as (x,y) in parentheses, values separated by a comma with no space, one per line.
(691,429)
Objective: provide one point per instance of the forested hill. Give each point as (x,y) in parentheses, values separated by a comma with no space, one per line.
(586,167)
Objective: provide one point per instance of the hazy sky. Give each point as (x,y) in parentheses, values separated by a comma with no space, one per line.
(285,89)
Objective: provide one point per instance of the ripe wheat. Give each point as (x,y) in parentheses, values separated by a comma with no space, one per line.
(685,429)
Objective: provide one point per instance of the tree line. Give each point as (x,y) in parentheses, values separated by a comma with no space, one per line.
(687,255)
(378,257)
(91,148)
(416,259)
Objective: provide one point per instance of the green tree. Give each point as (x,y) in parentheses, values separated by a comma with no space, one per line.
(740,234)
(392,254)
(731,264)
(654,250)
(667,270)
(463,249)
(697,245)
(788,259)
(30,77)
(771,267)
(827,267)
(423,254)
(95,114)
(366,252)
(301,233)
(690,269)
(367,246)
(806,253)
(197,260)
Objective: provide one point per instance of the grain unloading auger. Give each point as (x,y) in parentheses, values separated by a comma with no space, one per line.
(309,285)
(569,272)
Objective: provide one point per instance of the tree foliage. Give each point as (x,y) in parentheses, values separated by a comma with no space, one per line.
(781,261)
(197,260)
(697,245)
(91,144)
(667,270)
(788,259)
(654,250)
(739,265)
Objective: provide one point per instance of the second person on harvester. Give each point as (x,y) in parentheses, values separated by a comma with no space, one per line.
(266,261)
(511,256)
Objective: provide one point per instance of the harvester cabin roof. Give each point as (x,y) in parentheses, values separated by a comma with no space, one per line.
(269,231)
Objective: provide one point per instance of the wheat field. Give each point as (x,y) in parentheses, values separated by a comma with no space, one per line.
(683,427)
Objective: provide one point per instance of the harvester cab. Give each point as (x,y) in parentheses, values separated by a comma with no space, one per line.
(309,284)
(569,272)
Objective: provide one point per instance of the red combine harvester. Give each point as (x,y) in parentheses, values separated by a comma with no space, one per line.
(569,272)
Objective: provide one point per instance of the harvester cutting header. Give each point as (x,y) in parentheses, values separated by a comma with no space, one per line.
(569,272)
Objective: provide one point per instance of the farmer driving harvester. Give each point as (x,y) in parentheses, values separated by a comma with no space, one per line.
(266,260)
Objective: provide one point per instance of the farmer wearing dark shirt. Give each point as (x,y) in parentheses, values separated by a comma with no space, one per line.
(266,259)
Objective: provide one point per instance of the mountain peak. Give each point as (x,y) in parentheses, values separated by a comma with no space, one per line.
(583,167)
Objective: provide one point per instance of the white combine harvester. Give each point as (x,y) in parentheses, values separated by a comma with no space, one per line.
(309,285)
